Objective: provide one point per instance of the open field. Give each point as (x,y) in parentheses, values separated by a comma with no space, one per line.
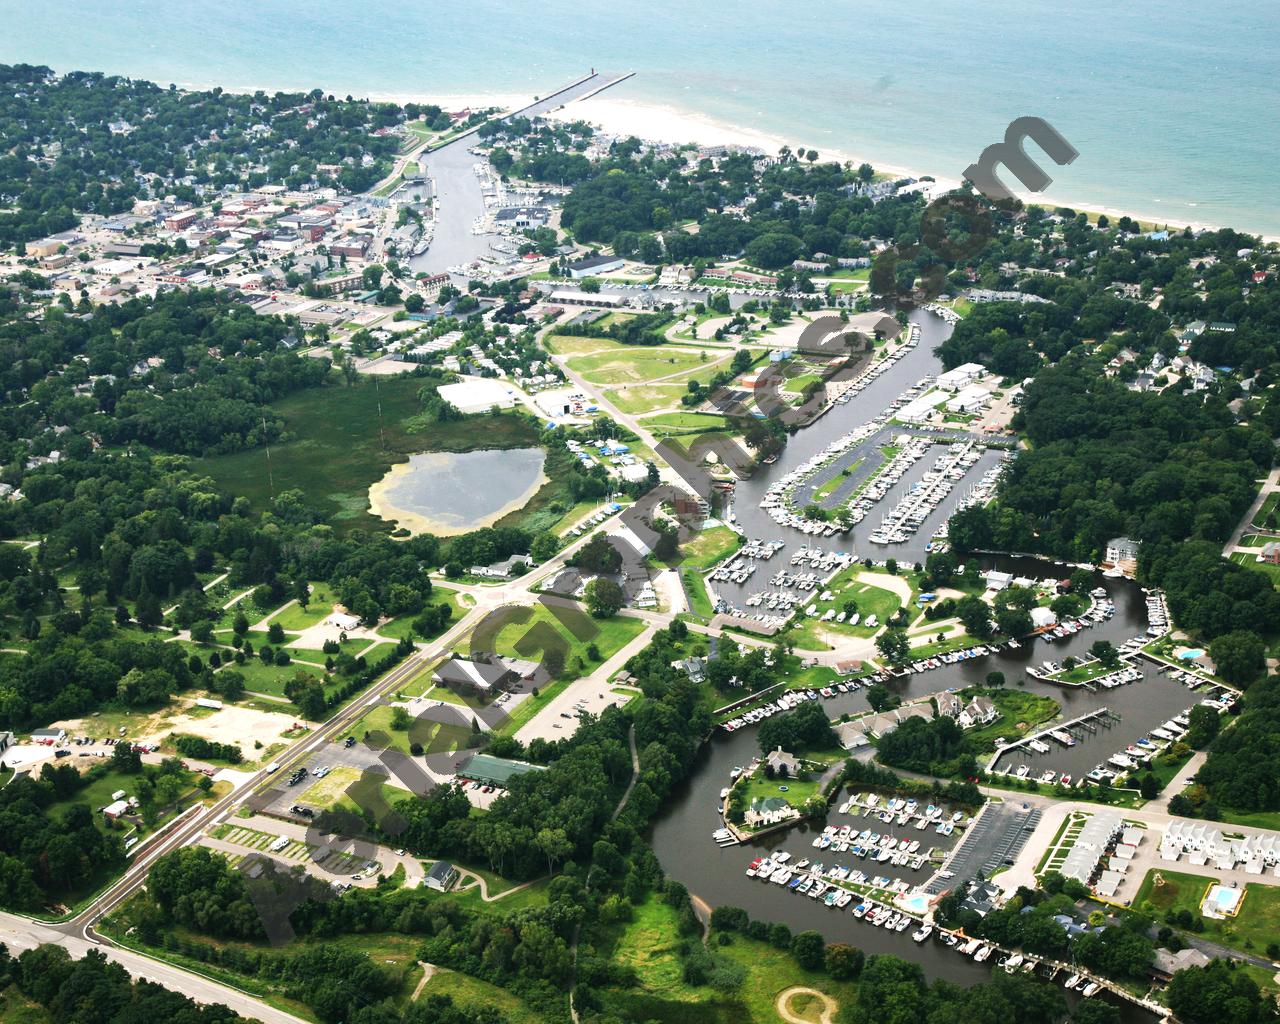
(643,398)
(649,945)
(637,364)
(709,546)
(610,636)
(674,424)
(336,451)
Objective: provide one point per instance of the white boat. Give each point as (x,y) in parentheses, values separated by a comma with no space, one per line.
(982,954)
(1072,981)
(922,933)
(1090,989)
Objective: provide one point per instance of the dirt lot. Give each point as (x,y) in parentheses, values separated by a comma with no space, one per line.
(232,724)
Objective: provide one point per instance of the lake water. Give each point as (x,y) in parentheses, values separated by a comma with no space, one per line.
(447,493)
(1172,106)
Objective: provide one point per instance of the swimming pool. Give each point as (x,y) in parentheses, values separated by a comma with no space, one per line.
(917,903)
(1223,900)
(1191,655)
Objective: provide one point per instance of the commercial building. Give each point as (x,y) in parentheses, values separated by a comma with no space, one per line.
(568,297)
(966,373)
(475,676)
(595,265)
(495,771)
(480,394)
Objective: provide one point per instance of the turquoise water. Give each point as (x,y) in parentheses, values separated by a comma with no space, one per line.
(1191,655)
(1173,107)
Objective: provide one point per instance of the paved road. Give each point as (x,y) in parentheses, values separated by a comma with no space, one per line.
(20,933)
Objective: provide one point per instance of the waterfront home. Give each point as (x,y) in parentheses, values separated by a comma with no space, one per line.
(782,763)
(1122,552)
(981,898)
(1164,965)
(978,711)
(1270,553)
(769,810)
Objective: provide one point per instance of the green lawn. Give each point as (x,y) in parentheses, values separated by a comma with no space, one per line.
(1255,926)
(610,636)
(440,594)
(432,735)
(320,604)
(1268,507)
(344,439)
(675,424)
(1020,713)
(649,946)
(636,364)
(696,587)
(1246,559)
(710,546)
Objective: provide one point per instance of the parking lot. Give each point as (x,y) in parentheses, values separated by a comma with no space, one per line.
(992,841)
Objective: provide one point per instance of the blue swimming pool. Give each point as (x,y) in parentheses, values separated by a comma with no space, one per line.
(1191,655)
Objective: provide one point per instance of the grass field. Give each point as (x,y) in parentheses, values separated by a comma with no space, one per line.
(675,424)
(649,945)
(472,994)
(644,398)
(295,618)
(1246,559)
(709,546)
(15,1008)
(1251,930)
(635,364)
(610,636)
(336,449)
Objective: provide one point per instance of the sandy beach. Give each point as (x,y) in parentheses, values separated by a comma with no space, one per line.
(662,123)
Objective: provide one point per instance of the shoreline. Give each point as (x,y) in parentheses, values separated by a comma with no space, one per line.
(658,122)
(381,504)
(661,122)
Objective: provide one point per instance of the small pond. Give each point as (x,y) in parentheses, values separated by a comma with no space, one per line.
(447,493)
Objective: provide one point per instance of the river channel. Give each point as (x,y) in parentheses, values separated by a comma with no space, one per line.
(681,835)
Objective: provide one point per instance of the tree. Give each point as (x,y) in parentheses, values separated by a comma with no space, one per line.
(1203,726)
(240,624)
(1218,993)
(554,844)
(894,646)
(976,616)
(400,718)
(809,949)
(1149,787)
(843,962)
(1239,656)
(995,680)
(1105,652)
(881,698)
(604,598)
(275,633)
